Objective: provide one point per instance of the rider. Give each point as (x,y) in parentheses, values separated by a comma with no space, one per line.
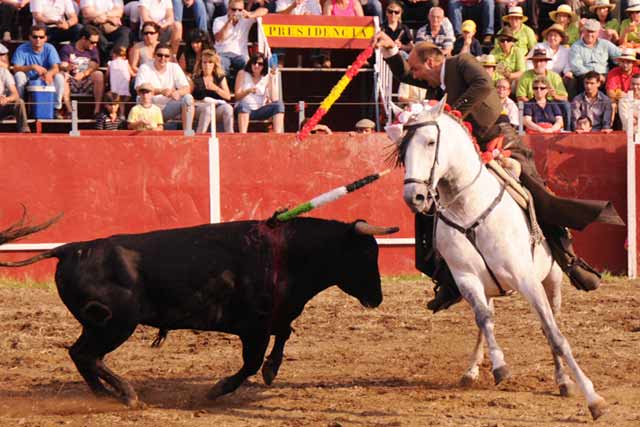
(470,91)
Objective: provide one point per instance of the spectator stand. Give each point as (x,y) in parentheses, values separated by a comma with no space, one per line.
(298,36)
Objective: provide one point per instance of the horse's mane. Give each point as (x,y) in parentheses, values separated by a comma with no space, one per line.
(397,152)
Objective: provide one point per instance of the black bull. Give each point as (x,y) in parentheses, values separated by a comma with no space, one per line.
(244,278)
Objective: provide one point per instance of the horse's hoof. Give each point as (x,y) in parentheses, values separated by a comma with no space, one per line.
(467,381)
(500,374)
(598,408)
(567,389)
(268,375)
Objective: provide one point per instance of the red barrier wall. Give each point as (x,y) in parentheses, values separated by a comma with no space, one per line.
(108,183)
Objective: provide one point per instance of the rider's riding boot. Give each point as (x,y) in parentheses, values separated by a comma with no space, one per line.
(582,275)
(446,290)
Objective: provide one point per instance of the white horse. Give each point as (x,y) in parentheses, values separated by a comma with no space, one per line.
(484,237)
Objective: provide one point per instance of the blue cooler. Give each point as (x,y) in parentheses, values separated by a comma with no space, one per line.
(42,98)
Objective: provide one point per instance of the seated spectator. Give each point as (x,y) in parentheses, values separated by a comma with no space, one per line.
(80,62)
(342,8)
(630,104)
(59,17)
(509,108)
(489,64)
(120,72)
(395,29)
(540,115)
(467,42)
(593,104)
(438,30)
(317,129)
(256,95)
(583,124)
(591,53)
(299,7)
(197,41)
(555,91)
(231,35)
(554,42)
(568,20)
(524,36)
(365,126)
(610,26)
(38,60)
(409,94)
(487,8)
(210,86)
(12,13)
(145,115)
(171,89)
(619,78)
(4,56)
(106,15)
(109,118)
(630,27)
(10,102)
(161,12)
(510,58)
(142,52)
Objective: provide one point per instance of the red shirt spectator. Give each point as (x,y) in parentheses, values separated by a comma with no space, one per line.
(619,78)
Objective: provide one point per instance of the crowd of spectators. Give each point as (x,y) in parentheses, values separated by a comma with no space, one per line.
(572,63)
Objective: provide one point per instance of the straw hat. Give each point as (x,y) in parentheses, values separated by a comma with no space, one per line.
(558,29)
(634,6)
(601,4)
(566,9)
(487,60)
(365,124)
(516,11)
(627,54)
(592,25)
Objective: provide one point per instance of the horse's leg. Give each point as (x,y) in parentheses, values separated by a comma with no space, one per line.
(560,346)
(473,371)
(553,288)
(473,291)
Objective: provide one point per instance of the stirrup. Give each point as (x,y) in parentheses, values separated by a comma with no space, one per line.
(582,276)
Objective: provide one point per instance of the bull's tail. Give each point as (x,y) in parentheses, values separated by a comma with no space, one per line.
(18,230)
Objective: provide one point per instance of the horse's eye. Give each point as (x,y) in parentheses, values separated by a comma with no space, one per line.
(430,143)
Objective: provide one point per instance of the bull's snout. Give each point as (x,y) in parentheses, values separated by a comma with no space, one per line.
(416,197)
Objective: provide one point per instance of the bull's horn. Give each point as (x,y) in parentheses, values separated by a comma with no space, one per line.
(372,230)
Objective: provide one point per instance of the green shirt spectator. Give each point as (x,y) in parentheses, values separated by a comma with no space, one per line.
(525,37)
(525,85)
(510,58)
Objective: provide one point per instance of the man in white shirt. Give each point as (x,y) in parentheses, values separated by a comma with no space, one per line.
(231,35)
(106,15)
(171,90)
(60,18)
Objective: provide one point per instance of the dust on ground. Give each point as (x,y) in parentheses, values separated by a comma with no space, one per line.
(397,365)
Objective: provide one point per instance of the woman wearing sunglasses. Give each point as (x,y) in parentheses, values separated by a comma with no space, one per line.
(256,95)
(142,52)
(540,115)
(395,29)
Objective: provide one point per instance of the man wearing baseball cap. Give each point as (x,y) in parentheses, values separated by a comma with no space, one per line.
(591,53)
(467,42)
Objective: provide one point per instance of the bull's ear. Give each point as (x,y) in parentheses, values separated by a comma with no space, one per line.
(362,227)
(128,261)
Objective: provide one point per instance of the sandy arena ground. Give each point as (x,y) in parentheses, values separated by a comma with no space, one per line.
(397,365)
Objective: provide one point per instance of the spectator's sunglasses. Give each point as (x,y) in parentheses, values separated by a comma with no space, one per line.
(33,36)
(394,11)
(239,9)
(163,55)
(539,88)
(94,43)
(148,33)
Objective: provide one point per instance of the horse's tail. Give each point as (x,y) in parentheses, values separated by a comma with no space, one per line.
(18,230)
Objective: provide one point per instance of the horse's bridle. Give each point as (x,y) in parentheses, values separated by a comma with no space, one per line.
(411,130)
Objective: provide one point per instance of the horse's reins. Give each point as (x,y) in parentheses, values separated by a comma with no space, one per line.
(468,232)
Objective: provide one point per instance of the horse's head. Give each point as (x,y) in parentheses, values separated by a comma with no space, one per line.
(419,151)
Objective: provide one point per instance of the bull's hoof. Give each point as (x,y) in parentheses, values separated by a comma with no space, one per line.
(567,389)
(500,374)
(598,408)
(467,381)
(268,374)
(217,390)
